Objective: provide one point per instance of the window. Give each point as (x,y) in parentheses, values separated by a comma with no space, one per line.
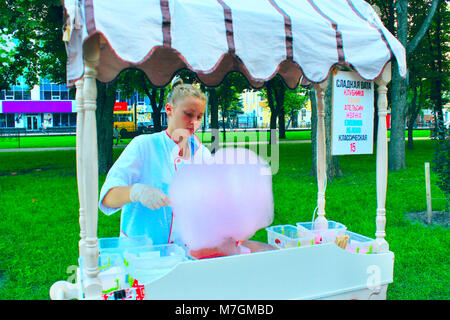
(72,119)
(7,120)
(27,95)
(50,91)
(123,117)
(18,95)
(57,119)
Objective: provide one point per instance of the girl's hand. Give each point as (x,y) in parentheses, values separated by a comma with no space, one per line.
(149,196)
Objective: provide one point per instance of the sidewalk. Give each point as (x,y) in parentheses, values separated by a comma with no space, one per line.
(123,146)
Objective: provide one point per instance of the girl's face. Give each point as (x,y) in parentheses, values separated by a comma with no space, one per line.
(187,114)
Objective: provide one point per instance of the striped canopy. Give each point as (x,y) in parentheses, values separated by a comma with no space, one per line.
(301,40)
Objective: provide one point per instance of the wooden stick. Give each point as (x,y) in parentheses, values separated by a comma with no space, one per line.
(428,191)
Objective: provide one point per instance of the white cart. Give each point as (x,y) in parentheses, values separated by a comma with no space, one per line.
(301,41)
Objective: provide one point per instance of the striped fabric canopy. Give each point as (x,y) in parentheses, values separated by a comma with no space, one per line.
(301,40)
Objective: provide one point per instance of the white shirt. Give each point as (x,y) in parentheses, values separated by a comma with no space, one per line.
(152,160)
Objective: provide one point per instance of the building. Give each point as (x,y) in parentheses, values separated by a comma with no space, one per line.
(52,107)
(256,111)
(45,106)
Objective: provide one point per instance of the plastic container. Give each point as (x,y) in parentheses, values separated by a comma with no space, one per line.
(287,236)
(112,272)
(120,244)
(306,229)
(358,243)
(148,263)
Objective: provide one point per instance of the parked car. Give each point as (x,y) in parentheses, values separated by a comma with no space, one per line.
(145,127)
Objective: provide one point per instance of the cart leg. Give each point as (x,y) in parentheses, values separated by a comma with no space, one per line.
(79,163)
(63,290)
(380,244)
(321,155)
(92,285)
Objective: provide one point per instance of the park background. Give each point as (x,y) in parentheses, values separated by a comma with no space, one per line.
(39,216)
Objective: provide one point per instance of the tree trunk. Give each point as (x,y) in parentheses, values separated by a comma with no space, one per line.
(398,97)
(106,97)
(279,95)
(214,112)
(398,115)
(333,168)
(224,133)
(156,106)
(436,88)
(273,110)
(414,112)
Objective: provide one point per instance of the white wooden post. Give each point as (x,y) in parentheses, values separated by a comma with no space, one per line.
(380,244)
(92,285)
(428,192)
(321,221)
(79,163)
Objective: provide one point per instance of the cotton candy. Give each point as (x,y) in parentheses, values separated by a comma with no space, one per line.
(230,197)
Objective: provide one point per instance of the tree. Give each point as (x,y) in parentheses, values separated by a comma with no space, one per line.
(7,52)
(333,168)
(134,81)
(35,27)
(274,93)
(235,110)
(398,87)
(228,93)
(106,97)
(437,43)
(295,100)
(214,112)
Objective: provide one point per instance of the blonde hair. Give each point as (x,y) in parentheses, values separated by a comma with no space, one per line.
(181,90)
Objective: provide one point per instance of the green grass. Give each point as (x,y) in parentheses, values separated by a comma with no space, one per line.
(40,231)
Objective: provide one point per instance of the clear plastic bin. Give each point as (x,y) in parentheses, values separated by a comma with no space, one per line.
(120,244)
(334,229)
(358,243)
(287,236)
(112,272)
(148,263)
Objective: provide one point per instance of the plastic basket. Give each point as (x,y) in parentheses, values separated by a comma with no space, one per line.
(112,272)
(120,244)
(287,236)
(148,263)
(358,243)
(321,235)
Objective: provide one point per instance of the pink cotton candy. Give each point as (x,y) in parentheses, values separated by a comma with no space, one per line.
(228,197)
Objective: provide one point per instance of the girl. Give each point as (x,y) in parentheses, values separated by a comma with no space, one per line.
(138,181)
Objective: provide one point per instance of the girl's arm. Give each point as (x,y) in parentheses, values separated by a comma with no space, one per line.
(149,196)
(117,197)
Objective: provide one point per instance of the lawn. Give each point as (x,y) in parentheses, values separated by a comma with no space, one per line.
(40,231)
(70,141)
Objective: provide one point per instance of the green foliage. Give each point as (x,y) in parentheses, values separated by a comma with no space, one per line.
(441,160)
(35,28)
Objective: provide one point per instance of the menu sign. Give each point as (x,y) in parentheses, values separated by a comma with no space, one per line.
(352,114)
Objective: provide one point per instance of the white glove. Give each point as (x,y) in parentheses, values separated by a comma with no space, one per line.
(149,196)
